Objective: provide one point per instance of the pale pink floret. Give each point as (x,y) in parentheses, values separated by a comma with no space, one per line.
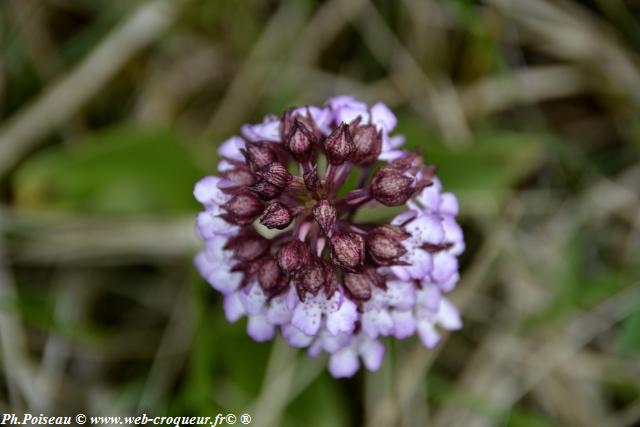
(410,302)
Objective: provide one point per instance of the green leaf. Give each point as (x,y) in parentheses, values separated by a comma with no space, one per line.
(121,170)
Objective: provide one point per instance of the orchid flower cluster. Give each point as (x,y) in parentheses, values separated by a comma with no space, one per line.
(284,246)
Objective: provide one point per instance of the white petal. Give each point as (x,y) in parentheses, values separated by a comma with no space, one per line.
(307,316)
(343,319)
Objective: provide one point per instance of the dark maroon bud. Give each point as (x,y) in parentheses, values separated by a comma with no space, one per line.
(265,190)
(242,209)
(325,214)
(277,215)
(239,177)
(368,144)
(276,174)
(330,279)
(292,256)
(339,145)
(300,142)
(358,285)
(270,276)
(311,277)
(376,278)
(390,187)
(406,162)
(312,180)
(248,247)
(286,123)
(347,251)
(384,244)
(259,154)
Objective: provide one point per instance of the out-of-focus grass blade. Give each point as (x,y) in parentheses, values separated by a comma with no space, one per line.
(119,171)
(483,170)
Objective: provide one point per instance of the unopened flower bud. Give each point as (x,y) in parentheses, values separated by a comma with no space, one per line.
(265,190)
(330,279)
(291,116)
(311,278)
(358,285)
(276,215)
(238,177)
(312,180)
(248,247)
(339,145)
(368,144)
(270,276)
(384,244)
(276,174)
(390,187)
(325,214)
(243,209)
(259,154)
(347,250)
(300,141)
(292,256)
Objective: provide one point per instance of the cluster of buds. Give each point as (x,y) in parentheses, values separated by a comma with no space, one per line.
(283,246)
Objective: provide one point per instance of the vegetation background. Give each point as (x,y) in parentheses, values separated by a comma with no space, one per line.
(111,110)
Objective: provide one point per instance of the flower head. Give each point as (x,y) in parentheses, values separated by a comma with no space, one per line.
(282,246)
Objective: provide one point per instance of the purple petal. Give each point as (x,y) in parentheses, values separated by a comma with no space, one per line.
(450,284)
(278,313)
(341,101)
(453,234)
(344,363)
(268,130)
(295,337)
(322,117)
(449,204)
(382,117)
(449,316)
(260,329)
(231,148)
(428,334)
(421,264)
(404,323)
(375,323)
(426,228)
(430,197)
(444,266)
(210,225)
(332,343)
(253,298)
(429,297)
(207,192)
(218,275)
(391,155)
(404,217)
(401,295)
(292,298)
(233,308)
(372,353)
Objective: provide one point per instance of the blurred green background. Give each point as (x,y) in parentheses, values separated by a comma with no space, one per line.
(111,110)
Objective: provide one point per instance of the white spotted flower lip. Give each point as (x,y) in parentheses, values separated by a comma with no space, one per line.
(282,246)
